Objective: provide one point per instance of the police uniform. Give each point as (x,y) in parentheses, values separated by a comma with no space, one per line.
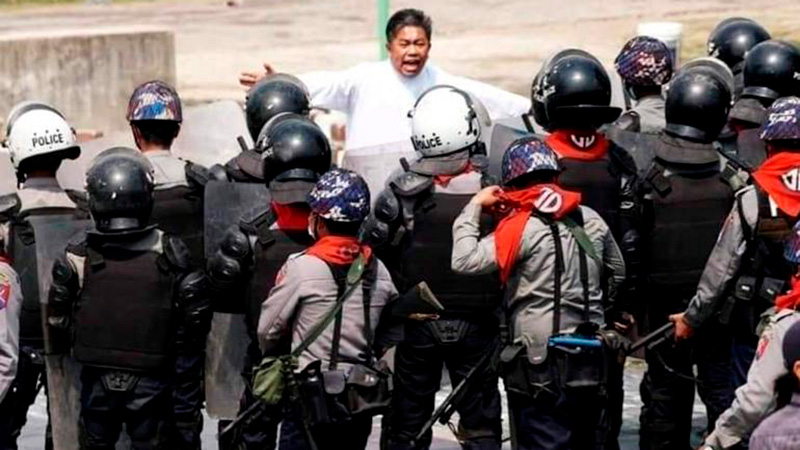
(758,397)
(650,110)
(37,196)
(543,415)
(126,342)
(10,305)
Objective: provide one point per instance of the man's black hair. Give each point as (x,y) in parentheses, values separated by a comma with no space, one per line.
(160,132)
(533,178)
(409,17)
(342,228)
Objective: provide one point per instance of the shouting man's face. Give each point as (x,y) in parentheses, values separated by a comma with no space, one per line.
(408,50)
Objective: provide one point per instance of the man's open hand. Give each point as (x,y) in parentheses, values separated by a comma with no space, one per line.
(248,79)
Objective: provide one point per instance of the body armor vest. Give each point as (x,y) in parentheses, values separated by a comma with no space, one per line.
(425,256)
(22,250)
(598,184)
(687,210)
(179,212)
(125,313)
(765,271)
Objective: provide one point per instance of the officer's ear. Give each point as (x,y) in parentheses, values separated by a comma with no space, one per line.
(796,370)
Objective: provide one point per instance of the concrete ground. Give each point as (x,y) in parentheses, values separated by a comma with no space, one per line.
(32,436)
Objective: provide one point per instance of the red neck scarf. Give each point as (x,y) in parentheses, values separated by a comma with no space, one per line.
(339,250)
(444,180)
(791,299)
(779,176)
(578,145)
(292,217)
(547,199)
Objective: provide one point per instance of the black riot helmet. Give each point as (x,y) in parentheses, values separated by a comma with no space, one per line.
(278,93)
(294,151)
(772,70)
(733,38)
(120,187)
(537,94)
(577,92)
(697,106)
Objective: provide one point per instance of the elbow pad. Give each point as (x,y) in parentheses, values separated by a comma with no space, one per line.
(63,291)
(228,263)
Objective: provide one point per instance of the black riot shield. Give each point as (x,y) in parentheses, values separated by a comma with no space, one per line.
(52,233)
(225,203)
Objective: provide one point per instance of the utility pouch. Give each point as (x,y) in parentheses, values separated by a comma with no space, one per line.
(580,361)
(311,387)
(523,377)
(269,379)
(448,331)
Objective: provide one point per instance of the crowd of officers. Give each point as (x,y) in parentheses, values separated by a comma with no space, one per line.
(601,224)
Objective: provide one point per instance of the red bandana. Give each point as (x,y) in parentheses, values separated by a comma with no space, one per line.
(292,217)
(779,176)
(548,199)
(791,299)
(578,145)
(444,180)
(339,250)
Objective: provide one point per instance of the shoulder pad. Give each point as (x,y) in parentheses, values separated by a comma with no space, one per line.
(387,206)
(196,175)
(9,205)
(176,253)
(409,184)
(629,121)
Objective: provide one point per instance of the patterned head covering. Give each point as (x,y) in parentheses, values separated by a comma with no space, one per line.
(155,100)
(527,155)
(644,61)
(340,195)
(782,120)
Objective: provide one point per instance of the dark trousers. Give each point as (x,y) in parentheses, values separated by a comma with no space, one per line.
(351,435)
(31,375)
(188,396)
(556,420)
(144,407)
(261,433)
(418,371)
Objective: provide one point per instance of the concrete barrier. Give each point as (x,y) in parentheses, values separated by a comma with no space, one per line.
(87,74)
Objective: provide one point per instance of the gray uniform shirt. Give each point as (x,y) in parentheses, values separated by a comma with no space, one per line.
(304,292)
(169,171)
(725,260)
(651,114)
(10,304)
(38,193)
(756,398)
(530,289)
(779,431)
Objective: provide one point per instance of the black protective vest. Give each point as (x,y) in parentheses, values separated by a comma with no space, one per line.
(426,253)
(125,314)
(744,149)
(22,250)
(599,183)
(686,212)
(179,212)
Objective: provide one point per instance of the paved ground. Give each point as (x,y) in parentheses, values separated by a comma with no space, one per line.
(443,439)
(500,41)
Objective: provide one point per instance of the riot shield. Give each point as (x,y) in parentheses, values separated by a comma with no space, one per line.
(225,203)
(209,133)
(504,132)
(377,163)
(52,233)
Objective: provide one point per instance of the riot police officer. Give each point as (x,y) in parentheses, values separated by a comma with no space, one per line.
(686,194)
(155,115)
(247,261)
(38,139)
(645,65)
(126,291)
(747,270)
(730,41)
(553,256)
(415,213)
(309,285)
(275,94)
